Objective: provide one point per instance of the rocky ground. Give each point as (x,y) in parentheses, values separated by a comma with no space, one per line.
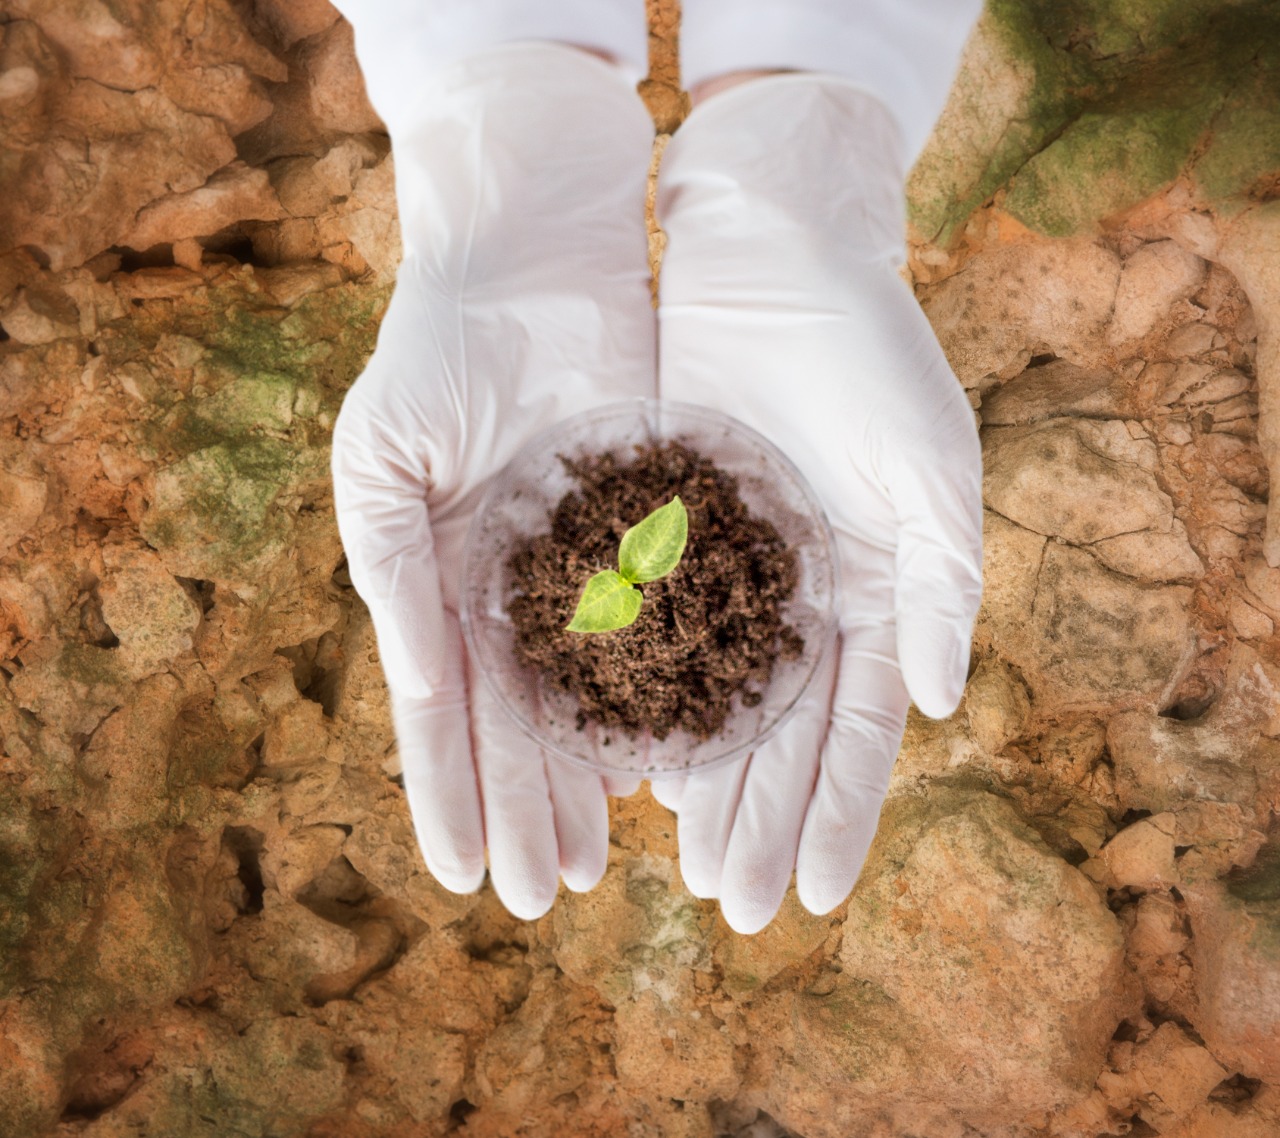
(214,919)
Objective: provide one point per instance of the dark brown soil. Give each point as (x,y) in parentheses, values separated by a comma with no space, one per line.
(710,628)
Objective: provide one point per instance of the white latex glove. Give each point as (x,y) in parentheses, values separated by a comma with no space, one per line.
(398,42)
(783,204)
(523,298)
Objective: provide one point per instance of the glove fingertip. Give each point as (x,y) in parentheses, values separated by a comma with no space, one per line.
(745,919)
(938,700)
(582,867)
(826,874)
(816,899)
(935,665)
(583,878)
(703,885)
(529,906)
(458,882)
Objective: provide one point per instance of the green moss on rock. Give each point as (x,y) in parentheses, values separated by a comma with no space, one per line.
(1258,890)
(1242,161)
(1016,101)
(259,401)
(1111,29)
(19,866)
(218,501)
(1102,164)
(322,343)
(222,506)
(1123,96)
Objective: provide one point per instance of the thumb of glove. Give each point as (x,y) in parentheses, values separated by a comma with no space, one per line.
(381,508)
(937,495)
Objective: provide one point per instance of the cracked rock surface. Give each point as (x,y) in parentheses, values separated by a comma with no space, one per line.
(214,917)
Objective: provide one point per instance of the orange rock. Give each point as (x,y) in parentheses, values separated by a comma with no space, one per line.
(1141,855)
(335,85)
(293,20)
(1233,949)
(235,193)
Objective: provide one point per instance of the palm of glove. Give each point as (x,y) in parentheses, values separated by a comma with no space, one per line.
(781,305)
(522,298)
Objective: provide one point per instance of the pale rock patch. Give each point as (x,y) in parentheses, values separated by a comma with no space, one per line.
(1011,559)
(1158,927)
(152,614)
(335,85)
(1066,479)
(1141,856)
(28,319)
(300,857)
(1092,637)
(1263,582)
(295,737)
(1248,622)
(1165,1077)
(1160,762)
(236,192)
(1052,390)
(1235,941)
(1012,302)
(22,501)
(1151,555)
(672,1052)
(1154,278)
(996,705)
(369,220)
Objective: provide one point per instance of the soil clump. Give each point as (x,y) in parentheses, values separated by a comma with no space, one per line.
(711,628)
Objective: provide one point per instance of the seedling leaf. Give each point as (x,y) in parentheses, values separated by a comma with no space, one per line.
(607,602)
(652,548)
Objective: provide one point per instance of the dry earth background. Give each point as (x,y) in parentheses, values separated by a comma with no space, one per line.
(214,919)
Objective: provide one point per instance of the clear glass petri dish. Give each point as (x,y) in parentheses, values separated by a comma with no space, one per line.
(518,504)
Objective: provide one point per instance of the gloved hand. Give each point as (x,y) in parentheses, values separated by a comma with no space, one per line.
(783,204)
(522,298)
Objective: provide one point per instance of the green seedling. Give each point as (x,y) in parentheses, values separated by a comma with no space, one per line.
(650,549)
